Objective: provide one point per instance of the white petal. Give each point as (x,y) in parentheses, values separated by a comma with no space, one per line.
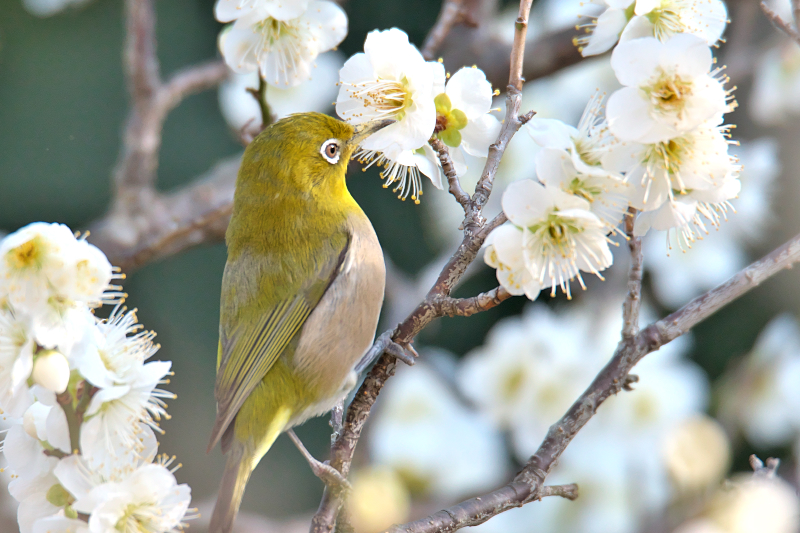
(644,7)
(459,163)
(637,28)
(606,33)
(479,134)
(239,45)
(629,118)
(327,23)
(507,242)
(58,430)
(287,9)
(687,55)
(429,165)
(634,62)
(525,202)
(669,215)
(551,133)
(470,92)
(554,167)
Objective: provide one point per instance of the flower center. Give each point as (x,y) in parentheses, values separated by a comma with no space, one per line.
(135,519)
(666,20)
(448,121)
(668,94)
(557,235)
(387,98)
(28,255)
(583,190)
(668,155)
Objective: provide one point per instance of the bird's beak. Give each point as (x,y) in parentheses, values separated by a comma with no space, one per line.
(365,130)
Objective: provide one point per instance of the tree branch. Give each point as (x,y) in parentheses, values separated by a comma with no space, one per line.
(447,306)
(783,25)
(633,301)
(528,485)
(450,173)
(141,63)
(515,78)
(450,15)
(170,223)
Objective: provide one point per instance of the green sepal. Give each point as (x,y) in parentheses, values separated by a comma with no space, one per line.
(457,119)
(59,496)
(443,104)
(70,512)
(451,137)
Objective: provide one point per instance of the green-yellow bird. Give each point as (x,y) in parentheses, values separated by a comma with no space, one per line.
(301,293)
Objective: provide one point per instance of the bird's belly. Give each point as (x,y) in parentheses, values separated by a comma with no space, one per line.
(341,328)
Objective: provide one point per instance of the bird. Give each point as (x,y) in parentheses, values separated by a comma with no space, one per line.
(301,294)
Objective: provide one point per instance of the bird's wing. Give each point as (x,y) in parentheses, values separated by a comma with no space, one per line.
(251,347)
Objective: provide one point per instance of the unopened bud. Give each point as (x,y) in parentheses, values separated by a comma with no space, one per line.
(51,371)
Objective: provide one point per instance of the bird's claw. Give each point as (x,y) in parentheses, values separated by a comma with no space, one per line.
(330,476)
(407,354)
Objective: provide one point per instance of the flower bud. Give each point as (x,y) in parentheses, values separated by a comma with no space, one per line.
(51,371)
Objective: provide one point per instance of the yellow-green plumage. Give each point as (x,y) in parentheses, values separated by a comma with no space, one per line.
(301,294)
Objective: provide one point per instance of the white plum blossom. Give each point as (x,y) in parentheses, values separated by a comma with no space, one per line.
(624,20)
(391,80)
(228,10)
(558,238)
(283,51)
(463,119)
(675,180)
(51,371)
(603,31)
(148,501)
(571,160)
(428,437)
(664,18)
(669,89)
(16,362)
(760,398)
(116,417)
(697,454)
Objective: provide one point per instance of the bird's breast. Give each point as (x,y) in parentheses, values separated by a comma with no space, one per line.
(342,326)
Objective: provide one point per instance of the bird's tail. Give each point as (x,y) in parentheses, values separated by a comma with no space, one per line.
(242,460)
(231,488)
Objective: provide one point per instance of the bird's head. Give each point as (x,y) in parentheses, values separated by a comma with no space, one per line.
(306,153)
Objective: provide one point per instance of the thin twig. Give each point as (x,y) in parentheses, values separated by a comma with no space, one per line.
(448,306)
(515,78)
(783,25)
(448,17)
(633,301)
(529,483)
(450,173)
(796,12)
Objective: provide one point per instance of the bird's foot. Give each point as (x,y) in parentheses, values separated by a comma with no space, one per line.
(323,470)
(406,354)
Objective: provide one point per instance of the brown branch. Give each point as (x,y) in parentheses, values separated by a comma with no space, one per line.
(450,15)
(528,485)
(447,306)
(169,223)
(141,63)
(796,11)
(633,301)
(512,123)
(450,173)
(544,55)
(784,26)
(515,78)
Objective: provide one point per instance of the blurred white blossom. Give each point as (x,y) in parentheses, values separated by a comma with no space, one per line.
(47,8)
(228,10)
(760,397)
(776,83)
(439,446)
(697,454)
(749,504)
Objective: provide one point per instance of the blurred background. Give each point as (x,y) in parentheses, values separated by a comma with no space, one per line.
(490,385)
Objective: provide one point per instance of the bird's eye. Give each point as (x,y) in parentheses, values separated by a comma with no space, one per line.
(330,151)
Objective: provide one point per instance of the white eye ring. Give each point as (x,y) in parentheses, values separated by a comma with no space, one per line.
(330,151)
